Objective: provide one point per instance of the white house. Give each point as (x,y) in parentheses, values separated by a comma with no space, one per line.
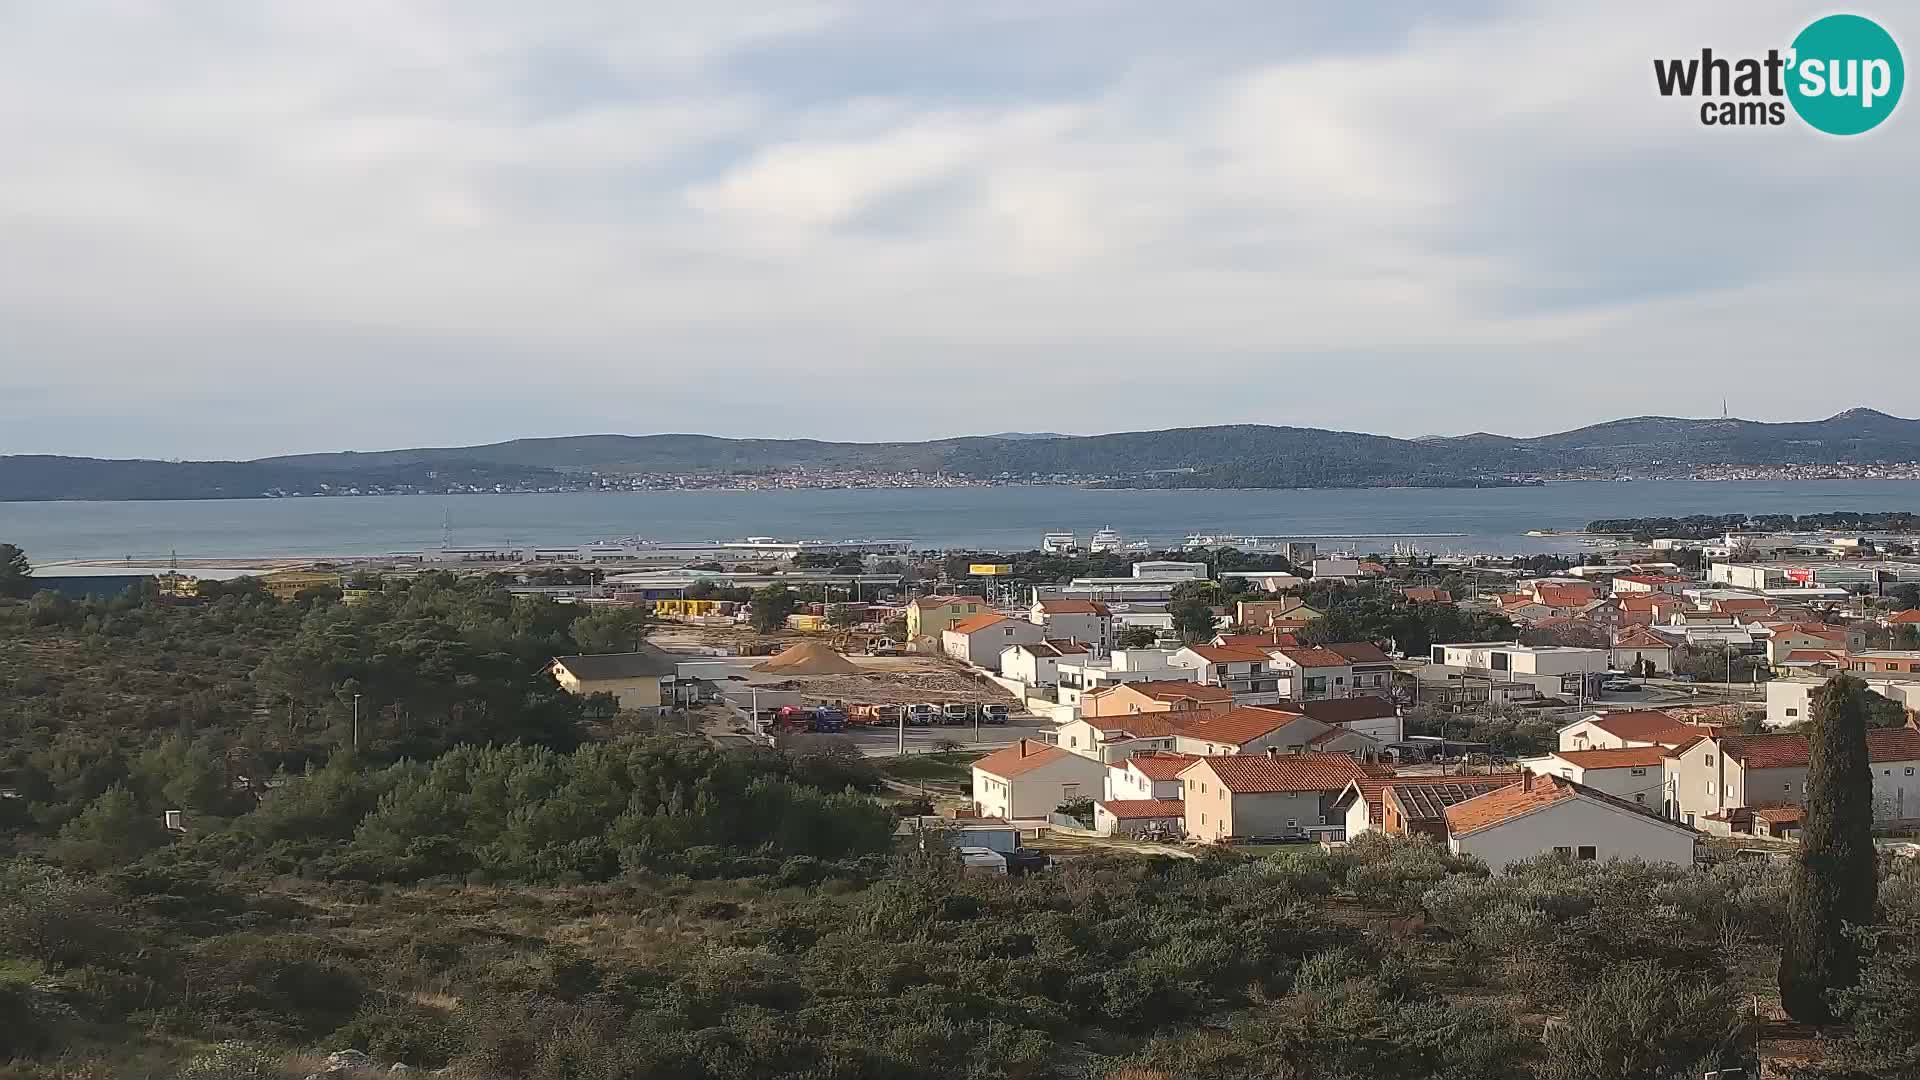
(1245,671)
(1133,817)
(1029,779)
(1637,774)
(1313,673)
(1149,774)
(1552,814)
(1370,671)
(1613,730)
(1790,701)
(1038,664)
(1087,674)
(1375,717)
(1089,622)
(1109,739)
(979,639)
(1636,645)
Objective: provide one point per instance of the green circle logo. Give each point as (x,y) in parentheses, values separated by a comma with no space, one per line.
(1846,74)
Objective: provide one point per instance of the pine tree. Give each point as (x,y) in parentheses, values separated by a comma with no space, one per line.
(1834,877)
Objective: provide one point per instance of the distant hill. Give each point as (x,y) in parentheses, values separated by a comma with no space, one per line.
(1240,455)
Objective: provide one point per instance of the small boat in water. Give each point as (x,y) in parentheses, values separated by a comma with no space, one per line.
(1104,540)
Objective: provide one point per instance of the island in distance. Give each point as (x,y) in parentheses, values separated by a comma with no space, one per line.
(1856,443)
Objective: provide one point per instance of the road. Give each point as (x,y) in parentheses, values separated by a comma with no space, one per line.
(885,742)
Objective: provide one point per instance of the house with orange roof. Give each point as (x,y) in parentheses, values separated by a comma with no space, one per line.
(1149,774)
(1266,640)
(929,616)
(1314,672)
(1112,739)
(1788,637)
(1376,717)
(1410,805)
(1546,814)
(1265,796)
(1372,668)
(1029,779)
(1633,727)
(1089,622)
(1637,774)
(977,640)
(1670,584)
(1727,771)
(1643,609)
(1262,614)
(1638,650)
(1155,695)
(1246,671)
(1421,594)
(1909,617)
(1038,663)
(1254,729)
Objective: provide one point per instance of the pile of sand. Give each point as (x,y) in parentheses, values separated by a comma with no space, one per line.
(809,658)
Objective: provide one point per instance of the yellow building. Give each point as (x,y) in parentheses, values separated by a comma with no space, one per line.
(288,584)
(931,616)
(640,680)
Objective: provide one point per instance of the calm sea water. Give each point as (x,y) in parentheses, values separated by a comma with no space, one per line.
(1004,518)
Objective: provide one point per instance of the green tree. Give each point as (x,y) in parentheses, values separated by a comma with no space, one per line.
(1136,637)
(611,630)
(112,831)
(1834,872)
(1193,620)
(16,574)
(771,606)
(841,615)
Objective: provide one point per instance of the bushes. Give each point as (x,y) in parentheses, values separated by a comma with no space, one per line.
(1389,872)
(231,1060)
(1638,1020)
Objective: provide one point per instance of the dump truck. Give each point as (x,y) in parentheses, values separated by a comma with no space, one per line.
(875,715)
(955,713)
(993,714)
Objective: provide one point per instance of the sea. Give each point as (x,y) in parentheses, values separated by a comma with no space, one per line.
(1433,520)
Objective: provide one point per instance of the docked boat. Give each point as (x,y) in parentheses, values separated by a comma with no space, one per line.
(1104,540)
(1059,543)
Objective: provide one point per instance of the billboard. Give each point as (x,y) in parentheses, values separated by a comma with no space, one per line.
(990,569)
(1800,574)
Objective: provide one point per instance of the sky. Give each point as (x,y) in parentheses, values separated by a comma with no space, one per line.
(236,228)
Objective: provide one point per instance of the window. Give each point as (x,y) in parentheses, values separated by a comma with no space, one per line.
(1640,797)
(1073,740)
(1709,787)
(1909,770)
(1323,819)
(1638,770)
(1203,819)
(1793,712)
(1293,823)
(1689,820)
(1563,851)
(1588,853)
(1069,792)
(1709,759)
(1221,795)
(1339,680)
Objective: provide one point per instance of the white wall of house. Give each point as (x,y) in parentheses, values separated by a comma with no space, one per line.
(1036,792)
(1126,782)
(982,647)
(1789,701)
(1029,668)
(1091,630)
(1359,818)
(1576,823)
(1644,785)
(1080,737)
(1627,659)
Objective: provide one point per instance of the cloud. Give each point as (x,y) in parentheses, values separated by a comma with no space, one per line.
(498,219)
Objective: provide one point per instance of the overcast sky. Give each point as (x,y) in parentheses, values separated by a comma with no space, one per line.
(231,229)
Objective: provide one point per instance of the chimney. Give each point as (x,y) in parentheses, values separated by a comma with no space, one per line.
(1273,751)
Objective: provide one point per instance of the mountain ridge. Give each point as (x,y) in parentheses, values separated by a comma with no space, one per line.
(1222,456)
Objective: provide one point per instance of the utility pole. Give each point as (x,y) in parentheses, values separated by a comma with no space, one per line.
(356,723)
(900,740)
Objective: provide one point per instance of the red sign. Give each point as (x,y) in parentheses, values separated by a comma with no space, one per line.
(1801,575)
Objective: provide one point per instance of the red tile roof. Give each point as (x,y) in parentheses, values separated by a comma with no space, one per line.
(1638,725)
(1073,607)
(1359,652)
(1160,764)
(1819,630)
(973,624)
(1255,641)
(1909,617)
(1136,809)
(1815,656)
(1143,725)
(1632,757)
(1427,596)
(1171,690)
(1022,757)
(1240,726)
(1742,605)
(1311,657)
(1787,750)
(1639,637)
(1427,799)
(1565,596)
(1533,792)
(1267,774)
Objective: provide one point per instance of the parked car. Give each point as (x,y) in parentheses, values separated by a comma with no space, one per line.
(993,714)
(1619,686)
(922,714)
(1678,677)
(955,713)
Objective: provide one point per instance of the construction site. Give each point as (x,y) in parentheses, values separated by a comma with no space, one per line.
(811,667)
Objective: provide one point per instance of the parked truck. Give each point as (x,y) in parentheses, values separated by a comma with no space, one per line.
(993,714)
(922,714)
(956,713)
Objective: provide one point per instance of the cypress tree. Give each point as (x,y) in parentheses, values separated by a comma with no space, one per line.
(1834,877)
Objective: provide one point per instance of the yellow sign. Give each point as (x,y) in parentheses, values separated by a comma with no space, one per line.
(990,569)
